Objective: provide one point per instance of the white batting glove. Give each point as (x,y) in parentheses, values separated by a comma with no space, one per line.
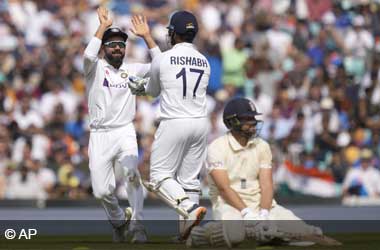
(263,214)
(248,214)
(137,85)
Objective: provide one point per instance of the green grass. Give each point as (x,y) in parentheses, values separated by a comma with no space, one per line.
(358,241)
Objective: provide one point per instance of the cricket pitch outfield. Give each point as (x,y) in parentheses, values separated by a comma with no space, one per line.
(351,241)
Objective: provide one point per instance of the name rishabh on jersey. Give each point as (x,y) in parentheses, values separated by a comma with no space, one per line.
(181,76)
(188,60)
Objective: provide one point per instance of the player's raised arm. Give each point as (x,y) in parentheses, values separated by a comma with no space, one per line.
(153,88)
(92,49)
(141,28)
(105,22)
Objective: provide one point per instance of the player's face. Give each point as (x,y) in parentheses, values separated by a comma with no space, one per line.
(114,49)
(248,127)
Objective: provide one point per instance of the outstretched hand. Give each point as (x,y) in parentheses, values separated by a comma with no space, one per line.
(104,17)
(140,26)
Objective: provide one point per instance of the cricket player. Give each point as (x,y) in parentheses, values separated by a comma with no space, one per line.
(180,77)
(241,188)
(112,110)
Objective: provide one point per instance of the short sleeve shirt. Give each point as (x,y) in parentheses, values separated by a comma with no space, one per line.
(241,163)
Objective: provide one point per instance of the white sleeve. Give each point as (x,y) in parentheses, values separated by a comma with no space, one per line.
(91,55)
(265,156)
(154,52)
(153,87)
(144,69)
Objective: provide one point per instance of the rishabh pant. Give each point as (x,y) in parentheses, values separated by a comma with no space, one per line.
(179,151)
(108,147)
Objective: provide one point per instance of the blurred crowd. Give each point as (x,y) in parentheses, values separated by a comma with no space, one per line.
(310,66)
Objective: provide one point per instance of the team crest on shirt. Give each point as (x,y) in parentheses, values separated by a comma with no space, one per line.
(124,75)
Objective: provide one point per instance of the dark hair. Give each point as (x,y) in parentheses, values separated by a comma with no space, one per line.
(187,37)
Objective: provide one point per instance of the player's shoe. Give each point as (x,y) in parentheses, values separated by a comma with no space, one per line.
(139,235)
(120,233)
(196,215)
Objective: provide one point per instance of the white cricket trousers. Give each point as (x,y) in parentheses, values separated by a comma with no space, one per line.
(179,151)
(107,148)
(285,219)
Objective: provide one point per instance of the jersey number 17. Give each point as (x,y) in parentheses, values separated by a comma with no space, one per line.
(182,74)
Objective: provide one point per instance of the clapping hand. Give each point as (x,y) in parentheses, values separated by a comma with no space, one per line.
(140,26)
(104,18)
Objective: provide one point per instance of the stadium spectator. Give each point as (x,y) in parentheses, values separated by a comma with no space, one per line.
(23,184)
(363,180)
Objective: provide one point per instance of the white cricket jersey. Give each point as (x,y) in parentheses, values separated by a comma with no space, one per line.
(241,163)
(181,76)
(110,102)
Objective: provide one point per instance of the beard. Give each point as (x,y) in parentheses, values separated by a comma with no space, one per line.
(115,57)
(170,38)
(248,134)
(168,42)
(251,132)
(172,41)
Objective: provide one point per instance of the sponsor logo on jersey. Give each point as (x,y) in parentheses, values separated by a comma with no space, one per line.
(105,82)
(108,84)
(216,164)
(119,85)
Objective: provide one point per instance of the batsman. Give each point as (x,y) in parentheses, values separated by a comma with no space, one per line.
(239,166)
